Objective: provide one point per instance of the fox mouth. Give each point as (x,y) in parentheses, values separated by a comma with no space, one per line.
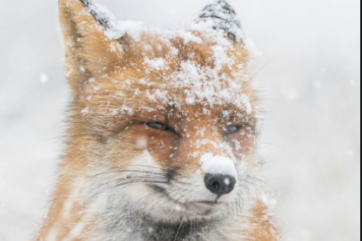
(202,208)
(208,203)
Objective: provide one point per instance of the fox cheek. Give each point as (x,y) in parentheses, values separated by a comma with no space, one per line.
(163,153)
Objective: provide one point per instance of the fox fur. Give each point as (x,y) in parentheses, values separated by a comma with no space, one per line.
(124,180)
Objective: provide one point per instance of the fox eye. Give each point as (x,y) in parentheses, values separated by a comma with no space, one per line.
(233,129)
(160,126)
(156,126)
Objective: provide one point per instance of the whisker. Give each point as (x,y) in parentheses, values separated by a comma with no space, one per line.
(161,169)
(264,66)
(148,167)
(182,183)
(131,171)
(263,182)
(125,180)
(179,229)
(141,181)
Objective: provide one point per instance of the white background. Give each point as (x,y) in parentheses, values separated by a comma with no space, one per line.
(310,92)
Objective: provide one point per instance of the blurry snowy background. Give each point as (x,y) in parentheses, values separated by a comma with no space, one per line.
(310,89)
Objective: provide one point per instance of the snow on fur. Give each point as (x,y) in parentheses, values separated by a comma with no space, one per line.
(218,165)
(222,16)
(101,14)
(113,28)
(201,84)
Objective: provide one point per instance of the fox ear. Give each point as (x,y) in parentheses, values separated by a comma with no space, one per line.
(223,16)
(91,49)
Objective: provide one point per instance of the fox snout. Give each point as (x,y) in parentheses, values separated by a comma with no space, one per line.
(221,174)
(220,184)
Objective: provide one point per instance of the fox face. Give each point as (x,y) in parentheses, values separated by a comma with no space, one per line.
(166,121)
(163,123)
(167,138)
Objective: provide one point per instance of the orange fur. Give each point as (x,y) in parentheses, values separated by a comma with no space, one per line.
(263,228)
(97,132)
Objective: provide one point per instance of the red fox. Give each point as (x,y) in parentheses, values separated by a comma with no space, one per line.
(162,142)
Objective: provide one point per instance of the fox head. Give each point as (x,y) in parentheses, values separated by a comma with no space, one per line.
(163,123)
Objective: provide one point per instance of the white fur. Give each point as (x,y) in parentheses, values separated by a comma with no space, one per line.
(130,211)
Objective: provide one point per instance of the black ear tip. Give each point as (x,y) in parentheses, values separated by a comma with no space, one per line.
(85,2)
(224,17)
(104,18)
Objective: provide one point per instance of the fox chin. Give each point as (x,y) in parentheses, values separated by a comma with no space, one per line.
(163,132)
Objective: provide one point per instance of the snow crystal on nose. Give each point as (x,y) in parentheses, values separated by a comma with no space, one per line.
(227,181)
(218,165)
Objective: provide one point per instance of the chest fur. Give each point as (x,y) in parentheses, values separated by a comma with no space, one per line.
(148,231)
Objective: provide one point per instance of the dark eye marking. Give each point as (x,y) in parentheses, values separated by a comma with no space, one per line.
(160,127)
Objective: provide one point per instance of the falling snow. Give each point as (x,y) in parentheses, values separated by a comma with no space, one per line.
(315,157)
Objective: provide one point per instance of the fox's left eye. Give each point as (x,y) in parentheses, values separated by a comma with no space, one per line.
(159,126)
(233,129)
(156,126)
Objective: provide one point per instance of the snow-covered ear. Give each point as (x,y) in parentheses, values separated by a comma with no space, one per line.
(223,16)
(91,49)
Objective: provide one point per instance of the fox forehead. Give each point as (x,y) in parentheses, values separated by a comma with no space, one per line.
(163,78)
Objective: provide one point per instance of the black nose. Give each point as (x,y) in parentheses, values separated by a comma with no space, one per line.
(220,184)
